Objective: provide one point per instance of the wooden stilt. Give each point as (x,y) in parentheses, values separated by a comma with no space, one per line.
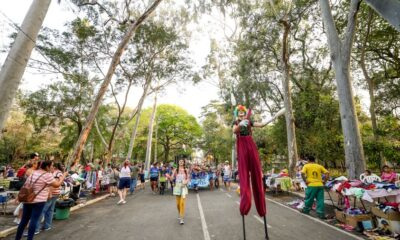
(266,228)
(244,228)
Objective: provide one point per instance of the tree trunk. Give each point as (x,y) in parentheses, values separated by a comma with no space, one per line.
(340,56)
(370,83)
(14,66)
(155,142)
(114,63)
(113,133)
(150,135)
(103,140)
(139,112)
(388,9)
(290,127)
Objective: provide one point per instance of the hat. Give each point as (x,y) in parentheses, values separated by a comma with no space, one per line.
(226,161)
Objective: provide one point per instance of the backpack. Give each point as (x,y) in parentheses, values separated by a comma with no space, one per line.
(26,193)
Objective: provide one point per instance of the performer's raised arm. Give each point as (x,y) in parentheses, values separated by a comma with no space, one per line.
(281,112)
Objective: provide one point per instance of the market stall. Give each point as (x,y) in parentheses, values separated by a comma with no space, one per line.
(276,182)
(383,216)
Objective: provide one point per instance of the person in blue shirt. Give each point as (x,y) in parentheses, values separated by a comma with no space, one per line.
(211,177)
(195,178)
(154,172)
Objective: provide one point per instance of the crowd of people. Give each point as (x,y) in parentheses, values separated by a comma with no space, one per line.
(46,177)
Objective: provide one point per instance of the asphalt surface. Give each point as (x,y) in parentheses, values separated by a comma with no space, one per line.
(147,216)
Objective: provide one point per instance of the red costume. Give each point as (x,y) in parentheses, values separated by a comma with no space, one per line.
(249,166)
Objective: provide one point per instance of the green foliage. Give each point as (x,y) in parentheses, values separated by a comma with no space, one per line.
(175,128)
(217,138)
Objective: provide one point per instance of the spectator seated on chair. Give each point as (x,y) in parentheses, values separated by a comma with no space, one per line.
(388,175)
(367,177)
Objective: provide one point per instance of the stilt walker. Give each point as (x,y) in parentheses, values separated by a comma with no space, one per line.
(249,164)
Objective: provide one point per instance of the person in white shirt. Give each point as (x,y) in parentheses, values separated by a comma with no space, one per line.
(227,175)
(124,182)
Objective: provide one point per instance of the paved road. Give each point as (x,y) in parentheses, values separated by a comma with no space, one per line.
(147,216)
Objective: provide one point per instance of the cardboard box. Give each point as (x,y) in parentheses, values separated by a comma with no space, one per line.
(392,216)
(351,220)
(394,226)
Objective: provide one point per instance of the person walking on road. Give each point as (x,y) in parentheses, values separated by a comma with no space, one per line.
(163,180)
(113,176)
(124,182)
(134,177)
(154,172)
(211,177)
(312,175)
(180,189)
(40,180)
(227,176)
(141,177)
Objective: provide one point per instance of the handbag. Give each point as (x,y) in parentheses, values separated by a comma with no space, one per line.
(178,189)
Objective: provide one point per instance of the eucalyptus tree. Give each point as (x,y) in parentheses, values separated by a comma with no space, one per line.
(17,59)
(164,58)
(130,29)
(340,49)
(66,101)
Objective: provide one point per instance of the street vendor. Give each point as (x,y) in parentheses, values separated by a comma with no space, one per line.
(312,175)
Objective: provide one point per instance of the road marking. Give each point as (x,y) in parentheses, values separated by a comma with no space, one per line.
(261,221)
(203,220)
(316,220)
(227,194)
(237,202)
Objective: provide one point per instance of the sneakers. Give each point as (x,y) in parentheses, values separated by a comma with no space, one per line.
(181,222)
(304,212)
(47,229)
(123,202)
(26,233)
(120,202)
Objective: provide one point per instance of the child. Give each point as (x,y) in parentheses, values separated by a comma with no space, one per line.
(163,179)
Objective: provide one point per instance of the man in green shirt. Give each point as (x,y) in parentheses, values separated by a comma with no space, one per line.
(312,176)
(134,176)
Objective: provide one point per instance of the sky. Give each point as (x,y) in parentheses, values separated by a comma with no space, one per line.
(188,96)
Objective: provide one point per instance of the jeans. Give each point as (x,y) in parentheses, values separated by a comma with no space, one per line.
(162,188)
(47,212)
(133,185)
(30,212)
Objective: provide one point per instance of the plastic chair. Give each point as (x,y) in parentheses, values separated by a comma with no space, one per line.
(369,179)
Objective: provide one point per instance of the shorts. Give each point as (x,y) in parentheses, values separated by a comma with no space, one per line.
(227,179)
(153,179)
(114,184)
(142,179)
(124,183)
